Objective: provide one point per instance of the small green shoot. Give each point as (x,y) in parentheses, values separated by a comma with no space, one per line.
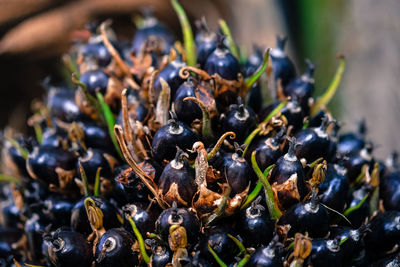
(188,40)
(231,43)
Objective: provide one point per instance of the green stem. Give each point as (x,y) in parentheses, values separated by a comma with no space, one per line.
(110,120)
(360,177)
(250,138)
(306,124)
(374,202)
(242,55)
(206,130)
(140,240)
(343,240)
(187,33)
(255,76)
(231,43)
(219,143)
(273,209)
(330,92)
(253,195)
(9,179)
(216,257)
(24,153)
(355,207)
(256,131)
(97,183)
(239,244)
(70,65)
(88,96)
(243,261)
(221,207)
(38,133)
(290,246)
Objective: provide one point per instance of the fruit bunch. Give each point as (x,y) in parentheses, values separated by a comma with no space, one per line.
(163,153)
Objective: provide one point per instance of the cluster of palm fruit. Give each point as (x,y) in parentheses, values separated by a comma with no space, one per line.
(165,154)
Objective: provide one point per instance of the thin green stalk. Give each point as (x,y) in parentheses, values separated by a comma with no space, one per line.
(88,96)
(70,65)
(343,240)
(273,209)
(216,257)
(110,120)
(242,55)
(9,179)
(268,170)
(356,207)
(306,123)
(243,261)
(338,213)
(231,43)
(330,92)
(187,33)
(250,138)
(221,207)
(97,183)
(238,243)
(291,246)
(152,236)
(360,177)
(255,76)
(253,195)
(24,153)
(256,131)
(38,133)
(374,202)
(206,130)
(140,240)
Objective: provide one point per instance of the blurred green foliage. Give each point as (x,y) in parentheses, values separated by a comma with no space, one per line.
(319,24)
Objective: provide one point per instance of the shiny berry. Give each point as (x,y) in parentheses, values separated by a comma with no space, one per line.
(144,216)
(128,187)
(172,135)
(333,191)
(384,232)
(68,248)
(43,161)
(288,178)
(170,74)
(255,225)
(309,216)
(237,171)
(302,88)
(282,66)
(206,42)
(115,249)
(187,89)
(267,256)
(222,62)
(325,252)
(176,182)
(80,222)
(313,143)
(239,119)
(156,30)
(178,216)
(95,81)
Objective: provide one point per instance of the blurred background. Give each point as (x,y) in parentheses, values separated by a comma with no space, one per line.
(34,33)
